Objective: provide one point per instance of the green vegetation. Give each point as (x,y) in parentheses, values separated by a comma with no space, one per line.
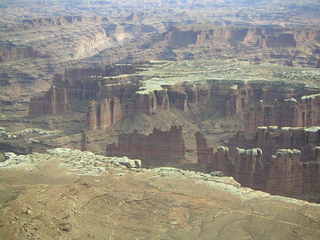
(159,73)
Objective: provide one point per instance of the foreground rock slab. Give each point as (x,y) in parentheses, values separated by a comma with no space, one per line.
(50,202)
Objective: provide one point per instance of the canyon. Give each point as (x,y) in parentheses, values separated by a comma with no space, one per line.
(263,133)
(159,119)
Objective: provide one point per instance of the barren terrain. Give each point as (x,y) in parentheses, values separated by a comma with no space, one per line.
(47,202)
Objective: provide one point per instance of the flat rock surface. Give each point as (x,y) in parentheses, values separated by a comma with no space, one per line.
(48,201)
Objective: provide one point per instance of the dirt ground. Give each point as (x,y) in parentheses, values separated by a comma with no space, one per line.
(48,203)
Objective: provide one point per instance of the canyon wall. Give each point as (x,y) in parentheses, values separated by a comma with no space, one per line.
(12,52)
(57,21)
(254,43)
(56,101)
(254,103)
(80,86)
(279,160)
(159,147)
(286,175)
(258,36)
(278,142)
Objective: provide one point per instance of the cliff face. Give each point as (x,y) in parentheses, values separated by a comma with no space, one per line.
(261,37)
(269,43)
(286,173)
(159,147)
(284,161)
(204,152)
(272,138)
(57,21)
(78,86)
(247,165)
(92,44)
(272,115)
(260,106)
(12,52)
(56,101)
(254,104)
(104,114)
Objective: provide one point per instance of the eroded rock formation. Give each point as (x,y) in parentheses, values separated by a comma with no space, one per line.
(286,173)
(12,52)
(57,21)
(284,161)
(254,103)
(272,116)
(242,40)
(159,147)
(247,165)
(56,101)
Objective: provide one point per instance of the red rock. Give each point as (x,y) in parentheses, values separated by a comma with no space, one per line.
(310,109)
(56,101)
(246,163)
(222,161)
(158,147)
(286,173)
(204,153)
(92,115)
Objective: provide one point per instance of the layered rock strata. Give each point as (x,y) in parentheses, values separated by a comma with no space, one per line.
(255,103)
(158,147)
(271,42)
(286,175)
(272,115)
(278,160)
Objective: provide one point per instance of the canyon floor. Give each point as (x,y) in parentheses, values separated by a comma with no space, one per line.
(45,200)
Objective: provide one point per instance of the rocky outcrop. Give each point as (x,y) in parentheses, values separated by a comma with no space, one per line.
(204,152)
(82,85)
(222,161)
(158,147)
(278,160)
(262,37)
(56,101)
(272,42)
(81,163)
(254,103)
(286,173)
(310,110)
(248,166)
(12,52)
(280,106)
(91,44)
(272,138)
(104,114)
(57,21)
(271,115)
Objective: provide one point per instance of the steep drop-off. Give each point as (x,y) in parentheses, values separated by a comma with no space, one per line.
(185,123)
